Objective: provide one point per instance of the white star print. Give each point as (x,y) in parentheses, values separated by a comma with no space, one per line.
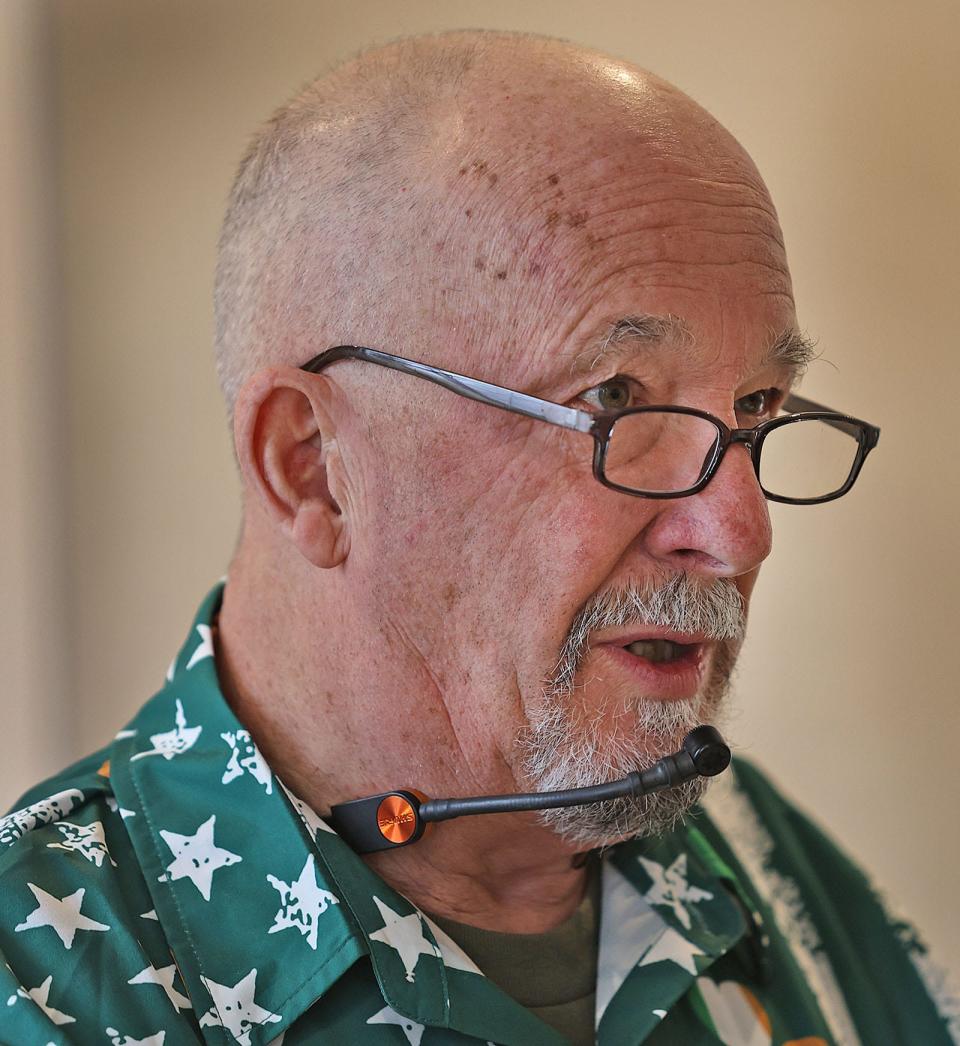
(117,1039)
(670,887)
(672,947)
(62,915)
(40,995)
(164,978)
(43,812)
(412,1030)
(172,742)
(196,857)
(84,839)
(245,757)
(314,822)
(234,1008)
(205,649)
(405,934)
(452,954)
(302,902)
(116,808)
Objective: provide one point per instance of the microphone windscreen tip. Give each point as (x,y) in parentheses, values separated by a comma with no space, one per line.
(708,750)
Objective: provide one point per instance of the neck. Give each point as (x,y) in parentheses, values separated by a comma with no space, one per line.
(308,706)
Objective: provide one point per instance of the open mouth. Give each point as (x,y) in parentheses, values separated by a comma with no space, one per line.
(663,668)
(661,651)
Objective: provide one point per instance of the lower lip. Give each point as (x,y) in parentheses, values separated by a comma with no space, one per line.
(661,680)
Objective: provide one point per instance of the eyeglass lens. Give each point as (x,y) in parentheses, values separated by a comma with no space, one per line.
(808,459)
(659,452)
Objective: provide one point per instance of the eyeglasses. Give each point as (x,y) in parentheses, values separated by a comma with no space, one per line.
(807,456)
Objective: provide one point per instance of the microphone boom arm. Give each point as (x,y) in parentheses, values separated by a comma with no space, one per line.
(392,819)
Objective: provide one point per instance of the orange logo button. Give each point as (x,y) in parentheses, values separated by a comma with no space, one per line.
(396,819)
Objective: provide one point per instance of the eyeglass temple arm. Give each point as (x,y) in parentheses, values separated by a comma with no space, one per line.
(798,405)
(472,388)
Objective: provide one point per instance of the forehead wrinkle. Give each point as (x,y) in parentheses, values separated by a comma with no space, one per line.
(621,339)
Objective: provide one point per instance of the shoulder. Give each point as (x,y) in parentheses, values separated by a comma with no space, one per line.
(76,920)
(824,902)
(67,811)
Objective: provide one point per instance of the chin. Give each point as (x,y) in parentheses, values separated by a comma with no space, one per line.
(564,746)
(615,820)
(555,759)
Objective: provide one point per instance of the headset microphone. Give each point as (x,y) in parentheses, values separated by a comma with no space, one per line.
(393,819)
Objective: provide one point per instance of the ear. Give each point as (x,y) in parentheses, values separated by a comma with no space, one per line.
(286,442)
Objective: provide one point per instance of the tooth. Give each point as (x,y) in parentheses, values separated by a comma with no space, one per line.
(655,649)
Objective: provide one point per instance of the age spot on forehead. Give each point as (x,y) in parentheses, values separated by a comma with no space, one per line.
(481,169)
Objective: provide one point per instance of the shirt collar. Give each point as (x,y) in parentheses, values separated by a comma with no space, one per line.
(265,907)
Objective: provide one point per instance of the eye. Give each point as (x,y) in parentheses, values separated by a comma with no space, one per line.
(613,394)
(760,404)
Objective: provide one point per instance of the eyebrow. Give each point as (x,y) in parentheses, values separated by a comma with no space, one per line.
(621,340)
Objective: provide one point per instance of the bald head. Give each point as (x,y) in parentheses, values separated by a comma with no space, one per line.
(436,188)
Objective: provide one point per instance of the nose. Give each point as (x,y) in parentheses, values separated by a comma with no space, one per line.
(723,531)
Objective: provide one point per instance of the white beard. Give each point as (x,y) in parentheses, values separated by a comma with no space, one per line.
(563,748)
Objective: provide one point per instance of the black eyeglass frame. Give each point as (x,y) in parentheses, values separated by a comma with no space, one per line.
(600,424)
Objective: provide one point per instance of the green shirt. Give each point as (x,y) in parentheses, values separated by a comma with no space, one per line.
(170,890)
(553,974)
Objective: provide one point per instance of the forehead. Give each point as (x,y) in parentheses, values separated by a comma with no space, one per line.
(589,221)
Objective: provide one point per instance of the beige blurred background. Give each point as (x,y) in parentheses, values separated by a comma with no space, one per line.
(121,124)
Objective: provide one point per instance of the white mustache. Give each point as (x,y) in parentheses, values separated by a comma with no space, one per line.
(714,609)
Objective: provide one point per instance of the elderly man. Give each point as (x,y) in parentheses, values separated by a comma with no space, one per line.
(507,335)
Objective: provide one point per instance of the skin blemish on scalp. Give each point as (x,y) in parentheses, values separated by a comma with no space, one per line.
(577,218)
(479,264)
(552,218)
(481,169)
(554,179)
(468,213)
(501,274)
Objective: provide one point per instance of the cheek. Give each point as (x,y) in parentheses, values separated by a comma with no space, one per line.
(501,537)
(570,554)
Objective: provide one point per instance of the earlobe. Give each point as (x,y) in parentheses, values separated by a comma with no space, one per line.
(286,440)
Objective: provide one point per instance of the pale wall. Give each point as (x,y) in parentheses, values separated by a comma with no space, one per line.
(36,693)
(848,682)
